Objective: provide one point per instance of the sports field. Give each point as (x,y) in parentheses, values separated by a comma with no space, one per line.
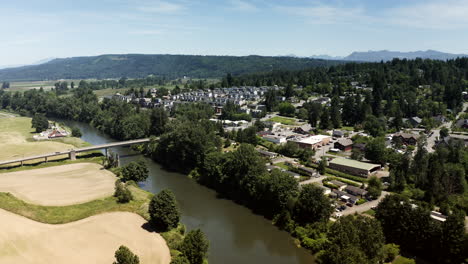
(91,240)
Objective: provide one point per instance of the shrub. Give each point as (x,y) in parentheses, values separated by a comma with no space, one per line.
(135,170)
(76,132)
(164,211)
(314,245)
(195,246)
(122,193)
(391,251)
(124,256)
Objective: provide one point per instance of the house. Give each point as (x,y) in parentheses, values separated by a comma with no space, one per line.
(353,167)
(275,139)
(312,142)
(344,144)
(293,174)
(462,123)
(326,191)
(57,134)
(267,154)
(337,134)
(355,191)
(415,121)
(439,119)
(308,171)
(343,196)
(341,185)
(406,138)
(360,146)
(452,137)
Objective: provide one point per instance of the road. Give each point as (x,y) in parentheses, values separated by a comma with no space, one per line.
(432,140)
(365,206)
(313,180)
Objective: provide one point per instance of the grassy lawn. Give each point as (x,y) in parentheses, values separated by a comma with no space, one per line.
(47,85)
(16,139)
(347,128)
(66,214)
(370,212)
(283,120)
(282,165)
(403,260)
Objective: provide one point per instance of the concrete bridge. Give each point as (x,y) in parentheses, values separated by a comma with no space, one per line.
(72,152)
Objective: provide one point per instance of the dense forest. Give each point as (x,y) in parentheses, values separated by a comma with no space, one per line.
(169,66)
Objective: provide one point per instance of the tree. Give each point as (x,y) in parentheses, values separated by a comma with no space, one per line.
(122,193)
(374,189)
(312,206)
(286,109)
(270,100)
(357,154)
(135,171)
(335,114)
(375,151)
(76,132)
(349,111)
(289,91)
(454,239)
(164,211)
(325,119)
(391,251)
(39,122)
(195,246)
(315,111)
(124,256)
(354,239)
(322,166)
(374,126)
(444,132)
(5,85)
(158,119)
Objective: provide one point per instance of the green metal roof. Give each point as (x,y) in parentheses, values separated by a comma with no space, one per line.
(354,163)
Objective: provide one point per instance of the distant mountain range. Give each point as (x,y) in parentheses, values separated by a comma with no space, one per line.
(386,55)
(142,65)
(19,65)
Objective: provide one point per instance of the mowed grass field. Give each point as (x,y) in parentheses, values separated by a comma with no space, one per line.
(46,85)
(16,140)
(60,185)
(91,240)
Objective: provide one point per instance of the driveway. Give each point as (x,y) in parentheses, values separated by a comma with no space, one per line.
(365,206)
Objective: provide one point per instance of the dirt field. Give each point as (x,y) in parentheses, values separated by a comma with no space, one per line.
(91,240)
(59,185)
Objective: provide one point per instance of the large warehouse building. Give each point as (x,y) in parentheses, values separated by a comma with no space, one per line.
(353,167)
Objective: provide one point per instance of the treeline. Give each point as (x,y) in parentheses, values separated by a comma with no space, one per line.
(400,89)
(169,66)
(437,178)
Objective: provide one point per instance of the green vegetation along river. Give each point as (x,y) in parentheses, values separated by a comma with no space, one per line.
(236,234)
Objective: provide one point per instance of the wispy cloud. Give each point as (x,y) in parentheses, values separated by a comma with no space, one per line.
(439,14)
(242,5)
(325,13)
(161,7)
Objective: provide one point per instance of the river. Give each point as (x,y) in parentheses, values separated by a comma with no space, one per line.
(236,234)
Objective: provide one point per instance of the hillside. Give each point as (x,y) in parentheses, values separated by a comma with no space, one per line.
(171,66)
(386,55)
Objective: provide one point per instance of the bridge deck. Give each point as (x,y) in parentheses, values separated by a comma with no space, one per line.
(85,149)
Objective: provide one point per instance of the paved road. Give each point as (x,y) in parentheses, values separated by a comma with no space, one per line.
(365,206)
(431,141)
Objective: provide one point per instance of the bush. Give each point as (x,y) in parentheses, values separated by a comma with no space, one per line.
(76,132)
(181,259)
(314,245)
(391,251)
(164,211)
(360,201)
(124,256)
(122,193)
(136,171)
(195,246)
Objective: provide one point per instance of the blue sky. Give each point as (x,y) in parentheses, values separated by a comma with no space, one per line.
(37,29)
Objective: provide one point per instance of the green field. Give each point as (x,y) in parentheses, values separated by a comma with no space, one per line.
(66,214)
(283,120)
(47,85)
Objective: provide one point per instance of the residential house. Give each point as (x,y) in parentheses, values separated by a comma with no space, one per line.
(340,185)
(344,144)
(406,138)
(355,191)
(337,134)
(462,123)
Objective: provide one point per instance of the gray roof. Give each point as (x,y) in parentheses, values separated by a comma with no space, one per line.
(354,163)
(345,142)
